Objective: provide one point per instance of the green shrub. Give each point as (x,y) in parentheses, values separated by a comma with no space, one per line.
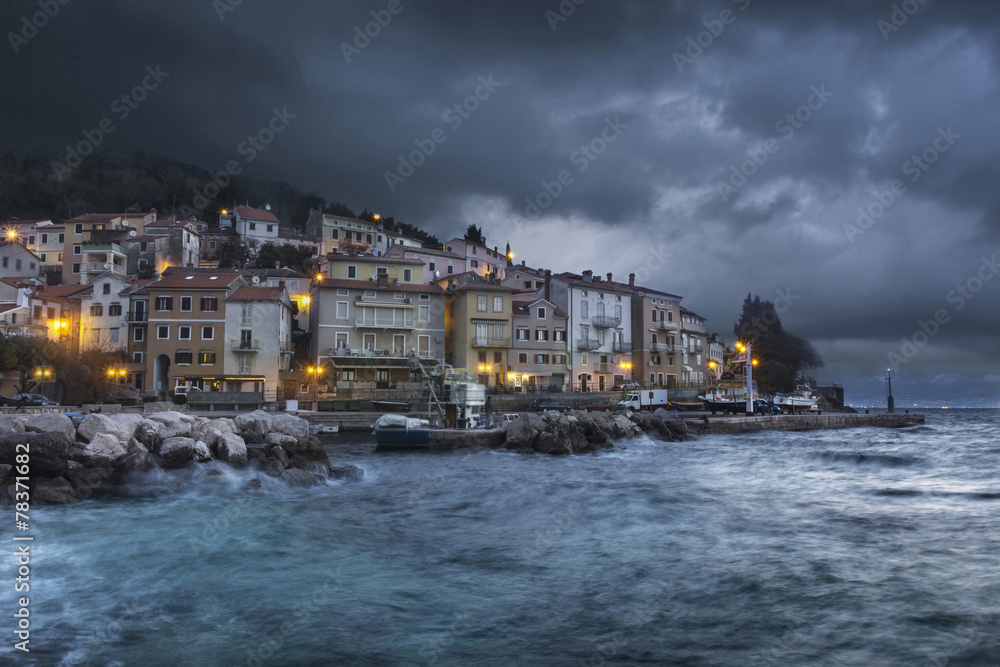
(149,399)
(180,399)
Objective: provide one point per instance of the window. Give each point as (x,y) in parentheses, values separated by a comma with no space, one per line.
(497,332)
(482,357)
(206,358)
(31,240)
(76,268)
(522,358)
(97,310)
(164,303)
(162,332)
(186,304)
(137,357)
(208,333)
(45,238)
(209,304)
(541,335)
(106,288)
(474,263)
(431,266)
(541,358)
(424,314)
(17,264)
(341,310)
(559,358)
(270,228)
(343,292)
(407,275)
(78,229)
(541,313)
(352,272)
(182,357)
(559,335)
(139,335)
(451,269)
(246,318)
(60,257)
(523,333)
(31,265)
(653,313)
(584,309)
(211,245)
(6,261)
(347,375)
(43,257)
(425,297)
(37,312)
(618,312)
(334,233)
(114,335)
(143,247)
(498,304)
(62,237)
(95,336)
(77,249)
(473,250)
(481,304)
(670,360)
(245,367)
(253,226)
(50,313)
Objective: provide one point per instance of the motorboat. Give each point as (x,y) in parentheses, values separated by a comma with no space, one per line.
(729,398)
(395,431)
(804,398)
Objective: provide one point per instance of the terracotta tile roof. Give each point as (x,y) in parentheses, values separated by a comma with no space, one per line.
(191,280)
(255,213)
(522,302)
(372,259)
(371,285)
(7,307)
(256,294)
(397,250)
(62,291)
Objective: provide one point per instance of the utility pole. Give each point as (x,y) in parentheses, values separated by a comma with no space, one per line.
(749,378)
(888,380)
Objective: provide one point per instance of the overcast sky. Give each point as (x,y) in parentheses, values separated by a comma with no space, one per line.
(648,111)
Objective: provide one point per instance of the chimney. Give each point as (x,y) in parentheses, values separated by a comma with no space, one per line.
(548,284)
(588,276)
(609,277)
(277,265)
(631,280)
(152,212)
(523,263)
(281,284)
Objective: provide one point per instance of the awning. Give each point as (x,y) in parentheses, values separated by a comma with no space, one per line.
(227,378)
(688,369)
(479,321)
(365,304)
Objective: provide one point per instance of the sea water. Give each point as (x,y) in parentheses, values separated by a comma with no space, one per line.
(850,547)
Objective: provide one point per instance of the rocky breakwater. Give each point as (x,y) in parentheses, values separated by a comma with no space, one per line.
(71,459)
(584,432)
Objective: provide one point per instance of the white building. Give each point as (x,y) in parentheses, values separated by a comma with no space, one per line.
(258,338)
(600,327)
(254,225)
(103,311)
(438,264)
(479,258)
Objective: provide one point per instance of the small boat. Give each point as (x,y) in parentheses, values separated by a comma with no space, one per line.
(728,399)
(330,428)
(804,398)
(393,431)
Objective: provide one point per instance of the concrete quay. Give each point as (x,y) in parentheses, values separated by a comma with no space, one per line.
(804,422)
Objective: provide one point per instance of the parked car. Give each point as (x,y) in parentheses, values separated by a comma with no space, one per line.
(549,404)
(32,400)
(626,385)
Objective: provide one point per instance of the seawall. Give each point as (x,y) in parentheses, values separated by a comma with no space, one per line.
(801,422)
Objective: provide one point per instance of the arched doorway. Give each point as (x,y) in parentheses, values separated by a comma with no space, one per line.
(161,375)
(584,379)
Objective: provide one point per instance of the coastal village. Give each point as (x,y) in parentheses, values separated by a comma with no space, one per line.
(152,291)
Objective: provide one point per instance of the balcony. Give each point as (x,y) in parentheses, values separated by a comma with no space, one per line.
(137,318)
(502,343)
(622,347)
(667,326)
(244,345)
(662,347)
(104,247)
(384,323)
(98,267)
(286,347)
(604,369)
(588,345)
(606,322)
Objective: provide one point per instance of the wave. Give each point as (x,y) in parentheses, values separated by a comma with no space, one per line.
(972,495)
(862,458)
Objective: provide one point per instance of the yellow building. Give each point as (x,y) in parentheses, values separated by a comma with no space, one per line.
(478,328)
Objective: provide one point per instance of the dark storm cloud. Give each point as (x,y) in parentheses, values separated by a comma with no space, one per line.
(690,121)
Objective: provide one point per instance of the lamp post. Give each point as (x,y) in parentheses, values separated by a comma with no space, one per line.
(116,375)
(888,381)
(314,373)
(626,366)
(43,375)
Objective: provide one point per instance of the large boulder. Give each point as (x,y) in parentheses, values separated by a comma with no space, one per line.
(290,425)
(547,443)
(104,451)
(176,451)
(232,449)
(280,439)
(318,467)
(57,491)
(310,447)
(13,425)
(272,466)
(202,453)
(208,433)
(96,424)
(147,433)
(138,461)
(5,470)
(51,422)
(280,454)
(172,424)
(128,420)
(254,426)
(86,480)
(300,478)
(519,434)
(49,452)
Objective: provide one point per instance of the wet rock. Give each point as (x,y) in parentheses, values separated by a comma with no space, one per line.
(49,452)
(148,434)
(128,421)
(350,473)
(290,425)
(272,467)
(300,478)
(5,469)
(310,446)
(256,452)
(56,491)
(176,451)
(139,461)
(279,453)
(232,449)
(300,462)
(104,451)
(278,439)
(13,425)
(202,454)
(253,485)
(88,479)
(519,434)
(172,424)
(51,422)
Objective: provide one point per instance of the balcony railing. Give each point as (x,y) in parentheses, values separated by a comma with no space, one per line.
(286,347)
(386,323)
(662,347)
(604,369)
(586,345)
(668,326)
(606,322)
(622,347)
(244,345)
(104,247)
(503,343)
(137,318)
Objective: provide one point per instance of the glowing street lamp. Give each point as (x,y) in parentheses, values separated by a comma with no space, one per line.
(117,375)
(314,373)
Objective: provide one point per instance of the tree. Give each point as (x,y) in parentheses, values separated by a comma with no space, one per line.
(475,235)
(781,355)
(294,257)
